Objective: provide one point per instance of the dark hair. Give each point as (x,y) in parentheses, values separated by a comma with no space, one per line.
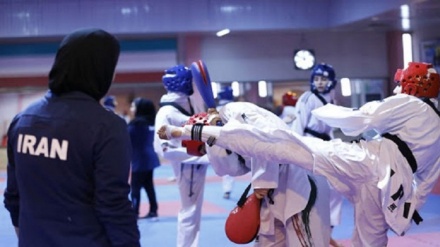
(145,109)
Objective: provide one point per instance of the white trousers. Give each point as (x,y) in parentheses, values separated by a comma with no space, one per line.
(227,183)
(191,184)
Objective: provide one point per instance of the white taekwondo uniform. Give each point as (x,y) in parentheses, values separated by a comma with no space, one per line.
(290,184)
(307,102)
(190,170)
(374,175)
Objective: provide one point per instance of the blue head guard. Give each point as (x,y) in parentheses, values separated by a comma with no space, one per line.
(324,70)
(226,94)
(110,102)
(178,79)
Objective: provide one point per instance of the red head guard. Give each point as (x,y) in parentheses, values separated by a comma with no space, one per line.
(290,98)
(199,118)
(419,79)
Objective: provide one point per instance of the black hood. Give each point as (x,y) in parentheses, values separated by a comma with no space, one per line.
(145,109)
(85,62)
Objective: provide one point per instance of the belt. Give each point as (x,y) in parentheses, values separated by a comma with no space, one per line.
(409,156)
(404,149)
(322,136)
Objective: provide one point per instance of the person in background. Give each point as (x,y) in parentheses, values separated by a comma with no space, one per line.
(69,158)
(322,83)
(387,179)
(145,159)
(176,109)
(110,103)
(225,96)
(288,113)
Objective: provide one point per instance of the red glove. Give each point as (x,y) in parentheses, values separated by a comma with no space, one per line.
(243,222)
(196,148)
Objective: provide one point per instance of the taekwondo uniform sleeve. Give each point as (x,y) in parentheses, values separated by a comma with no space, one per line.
(263,175)
(303,114)
(227,163)
(377,115)
(269,143)
(281,146)
(352,122)
(170,149)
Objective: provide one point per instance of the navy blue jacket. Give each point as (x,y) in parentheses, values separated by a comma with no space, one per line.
(78,195)
(144,157)
(142,132)
(69,160)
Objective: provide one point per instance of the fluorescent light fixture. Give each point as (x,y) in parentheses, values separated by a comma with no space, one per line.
(346,87)
(404,11)
(223,32)
(262,89)
(228,9)
(214,86)
(128,10)
(406,25)
(407,48)
(235,88)
(269,87)
(404,14)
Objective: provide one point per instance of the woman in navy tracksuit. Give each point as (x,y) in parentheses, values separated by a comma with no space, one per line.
(69,158)
(145,159)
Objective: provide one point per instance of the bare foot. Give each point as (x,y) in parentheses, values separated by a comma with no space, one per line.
(162,132)
(167,132)
(214,117)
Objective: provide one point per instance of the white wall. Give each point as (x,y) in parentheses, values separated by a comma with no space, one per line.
(254,57)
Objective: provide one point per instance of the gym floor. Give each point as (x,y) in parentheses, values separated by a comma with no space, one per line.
(215,210)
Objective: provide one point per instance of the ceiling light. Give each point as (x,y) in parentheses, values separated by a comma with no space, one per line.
(235,88)
(404,11)
(407,48)
(345,87)
(404,15)
(262,89)
(223,32)
(214,87)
